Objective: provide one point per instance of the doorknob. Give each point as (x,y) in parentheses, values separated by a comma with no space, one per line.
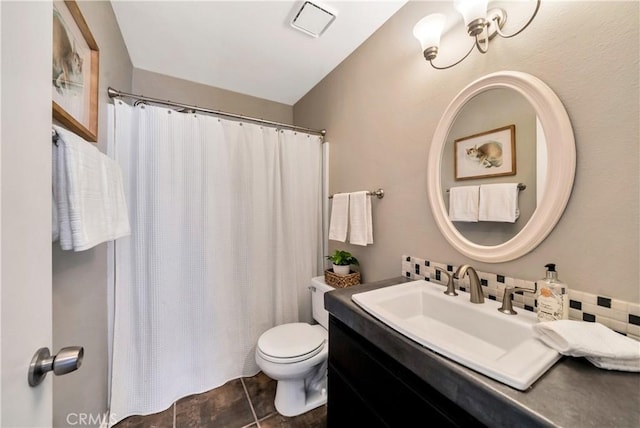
(67,360)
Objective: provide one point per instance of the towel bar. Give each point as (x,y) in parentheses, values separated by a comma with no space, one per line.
(521,186)
(379,193)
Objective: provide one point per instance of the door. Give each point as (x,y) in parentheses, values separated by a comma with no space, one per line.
(25,209)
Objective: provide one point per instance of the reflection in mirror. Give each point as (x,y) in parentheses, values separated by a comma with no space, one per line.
(491,110)
(551,176)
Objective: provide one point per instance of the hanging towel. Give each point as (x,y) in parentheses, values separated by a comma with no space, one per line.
(60,193)
(360,224)
(55,222)
(499,202)
(339,217)
(602,346)
(89,194)
(463,203)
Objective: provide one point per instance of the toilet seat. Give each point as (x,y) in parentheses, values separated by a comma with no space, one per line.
(290,343)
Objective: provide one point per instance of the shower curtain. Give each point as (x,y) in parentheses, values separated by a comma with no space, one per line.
(226,222)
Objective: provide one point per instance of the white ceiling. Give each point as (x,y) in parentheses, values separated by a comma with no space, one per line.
(245,46)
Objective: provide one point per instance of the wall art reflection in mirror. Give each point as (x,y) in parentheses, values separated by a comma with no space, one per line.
(486,154)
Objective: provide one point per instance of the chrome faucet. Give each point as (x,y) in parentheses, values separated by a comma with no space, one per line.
(477,296)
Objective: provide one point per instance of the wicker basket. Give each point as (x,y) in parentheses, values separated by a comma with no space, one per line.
(341,281)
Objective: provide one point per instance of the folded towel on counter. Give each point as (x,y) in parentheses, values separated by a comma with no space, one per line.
(602,346)
(463,203)
(360,222)
(89,194)
(630,365)
(339,217)
(499,202)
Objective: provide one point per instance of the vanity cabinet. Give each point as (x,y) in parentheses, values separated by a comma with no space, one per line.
(368,388)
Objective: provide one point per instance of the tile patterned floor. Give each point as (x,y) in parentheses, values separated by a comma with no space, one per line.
(240,403)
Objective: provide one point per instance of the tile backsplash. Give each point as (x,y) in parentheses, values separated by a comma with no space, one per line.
(618,315)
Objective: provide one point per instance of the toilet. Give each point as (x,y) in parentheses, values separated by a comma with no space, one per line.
(295,355)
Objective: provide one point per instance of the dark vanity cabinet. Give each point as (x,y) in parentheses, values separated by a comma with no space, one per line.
(367,388)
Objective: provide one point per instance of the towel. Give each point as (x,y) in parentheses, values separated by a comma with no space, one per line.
(463,203)
(360,224)
(55,222)
(602,346)
(630,365)
(89,194)
(499,202)
(339,217)
(61,197)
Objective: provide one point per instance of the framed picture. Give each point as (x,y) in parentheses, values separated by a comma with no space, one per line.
(74,82)
(488,154)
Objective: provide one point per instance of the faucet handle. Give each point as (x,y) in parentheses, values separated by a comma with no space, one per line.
(507,306)
(451,289)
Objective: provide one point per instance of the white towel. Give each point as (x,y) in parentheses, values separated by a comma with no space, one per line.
(89,193)
(55,222)
(360,223)
(602,346)
(62,198)
(463,203)
(629,365)
(499,202)
(339,217)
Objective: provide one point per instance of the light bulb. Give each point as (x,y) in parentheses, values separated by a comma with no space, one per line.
(429,29)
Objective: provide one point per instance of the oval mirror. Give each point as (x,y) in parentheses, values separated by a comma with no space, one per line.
(533,128)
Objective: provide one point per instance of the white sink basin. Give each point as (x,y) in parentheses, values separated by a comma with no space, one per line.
(500,346)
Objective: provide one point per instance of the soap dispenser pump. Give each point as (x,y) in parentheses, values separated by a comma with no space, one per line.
(553,296)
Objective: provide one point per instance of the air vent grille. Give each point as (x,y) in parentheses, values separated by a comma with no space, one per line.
(312,19)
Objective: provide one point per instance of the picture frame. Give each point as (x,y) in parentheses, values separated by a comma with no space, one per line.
(75,71)
(487,154)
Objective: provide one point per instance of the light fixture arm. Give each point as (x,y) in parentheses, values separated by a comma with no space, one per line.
(455,63)
(478,44)
(508,36)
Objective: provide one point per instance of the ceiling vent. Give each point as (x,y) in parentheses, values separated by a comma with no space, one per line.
(312,19)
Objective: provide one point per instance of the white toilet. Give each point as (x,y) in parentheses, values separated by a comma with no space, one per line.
(295,355)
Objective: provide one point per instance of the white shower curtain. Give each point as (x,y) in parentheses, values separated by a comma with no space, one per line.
(226,222)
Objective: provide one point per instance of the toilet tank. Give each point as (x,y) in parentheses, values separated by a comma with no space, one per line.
(318,288)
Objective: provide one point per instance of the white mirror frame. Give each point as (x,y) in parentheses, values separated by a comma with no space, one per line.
(560,168)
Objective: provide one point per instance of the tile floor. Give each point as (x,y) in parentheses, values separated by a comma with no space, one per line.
(240,403)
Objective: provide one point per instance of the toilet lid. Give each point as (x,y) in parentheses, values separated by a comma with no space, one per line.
(291,340)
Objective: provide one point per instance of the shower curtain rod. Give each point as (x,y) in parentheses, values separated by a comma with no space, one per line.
(114,93)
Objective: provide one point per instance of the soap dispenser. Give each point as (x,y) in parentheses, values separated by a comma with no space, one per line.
(553,296)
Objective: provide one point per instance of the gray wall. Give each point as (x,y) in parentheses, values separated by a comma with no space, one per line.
(171,88)
(382,104)
(80,279)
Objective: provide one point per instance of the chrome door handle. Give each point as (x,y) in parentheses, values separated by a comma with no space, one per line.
(67,360)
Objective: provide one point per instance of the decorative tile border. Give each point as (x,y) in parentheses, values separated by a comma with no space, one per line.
(620,316)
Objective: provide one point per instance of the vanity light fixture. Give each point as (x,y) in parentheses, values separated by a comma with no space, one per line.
(481,24)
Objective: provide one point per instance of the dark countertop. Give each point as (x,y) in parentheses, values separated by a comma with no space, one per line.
(573,393)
